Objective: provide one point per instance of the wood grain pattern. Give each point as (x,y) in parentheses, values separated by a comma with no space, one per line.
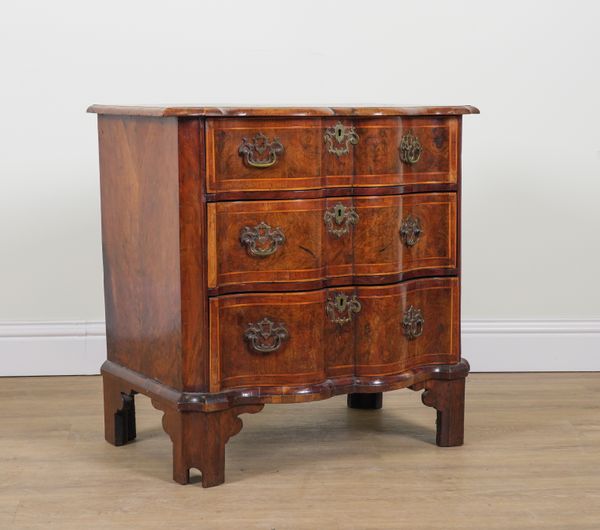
(300,359)
(381,346)
(377,159)
(378,247)
(332,386)
(199,440)
(307,163)
(193,232)
(371,345)
(301,257)
(448,398)
(298,167)
(341,191)
(205,111)
(372,248)
(139,168)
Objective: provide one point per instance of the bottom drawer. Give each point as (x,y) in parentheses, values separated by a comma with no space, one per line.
(302,338)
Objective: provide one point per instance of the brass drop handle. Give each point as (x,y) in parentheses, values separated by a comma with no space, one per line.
(339,138)
(339,219)
(410,230)
(262,240)
(260,152)
(266,336)
(410,148)
(413,323)
(341,308)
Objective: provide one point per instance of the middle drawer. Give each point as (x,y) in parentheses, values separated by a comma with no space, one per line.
(311,242)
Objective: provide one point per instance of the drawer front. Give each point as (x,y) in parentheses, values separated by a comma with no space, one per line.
(407,325)
(316,153)
(251,154)
(314,240)
(304,338)
(397,234)
(267,340)
(401,151)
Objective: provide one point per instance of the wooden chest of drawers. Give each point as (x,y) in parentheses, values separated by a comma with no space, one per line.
(277,255)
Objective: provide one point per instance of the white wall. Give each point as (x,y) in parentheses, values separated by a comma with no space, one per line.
(531,212)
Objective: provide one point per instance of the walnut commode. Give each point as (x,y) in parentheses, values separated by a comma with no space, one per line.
(278,255)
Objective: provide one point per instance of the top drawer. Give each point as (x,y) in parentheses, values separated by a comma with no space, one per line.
(316,153)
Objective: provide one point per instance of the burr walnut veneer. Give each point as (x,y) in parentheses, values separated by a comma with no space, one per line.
(278,255)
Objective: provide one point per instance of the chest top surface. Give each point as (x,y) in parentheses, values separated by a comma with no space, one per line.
(288,111)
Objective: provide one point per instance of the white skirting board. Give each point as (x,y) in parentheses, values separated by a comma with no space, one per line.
(52,348)
(79,348)
(532,345)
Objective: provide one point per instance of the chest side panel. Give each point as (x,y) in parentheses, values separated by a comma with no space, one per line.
(140,240)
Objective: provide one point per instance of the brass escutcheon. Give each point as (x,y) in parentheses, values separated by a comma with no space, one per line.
(339,137)
(339,219)
(340,308)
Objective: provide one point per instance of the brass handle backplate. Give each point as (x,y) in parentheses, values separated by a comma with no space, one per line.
(413,323)
(339,219)
(262,240)
(260,152)
(266,336)
(341,308)
(410,148)
(339,137)
(410,231)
